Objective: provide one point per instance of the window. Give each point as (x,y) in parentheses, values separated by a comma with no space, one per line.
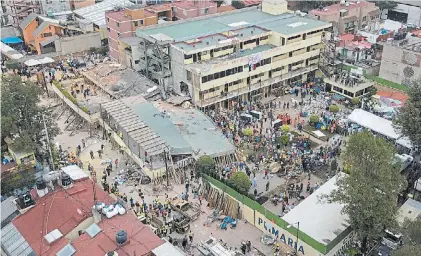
(290,54)
(204,79)
(222,74)
(49,2)
(135,23)
(364,18)
(216,75)
(206,10)
(118,24)
(283,41)
(141,22)
(264,38)
(118,35)
(108,19)
(108,29)
(294,37)
(240,69)
(47,34)
(136,62)
(187,56)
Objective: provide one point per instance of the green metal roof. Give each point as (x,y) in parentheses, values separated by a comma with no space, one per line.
(285,24)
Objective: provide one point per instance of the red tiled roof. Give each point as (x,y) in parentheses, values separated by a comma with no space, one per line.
(60,209)
(347,37)
(141,239)
(248,3)
(393,95)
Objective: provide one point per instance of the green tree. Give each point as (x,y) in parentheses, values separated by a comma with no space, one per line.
(247,132)
(284,139)
(406,250)
(385,5)
(240,181)
(371,189)
(238,4)
(307,6)
(21,114)
(314,119)
(333,108)
(285,129)
(408,118)
(205,165)
(355,101)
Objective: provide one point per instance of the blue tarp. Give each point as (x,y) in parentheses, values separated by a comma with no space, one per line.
(12,40)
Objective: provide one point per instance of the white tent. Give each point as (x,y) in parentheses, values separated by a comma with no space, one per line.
(32,62)
(374,123)
(46,60)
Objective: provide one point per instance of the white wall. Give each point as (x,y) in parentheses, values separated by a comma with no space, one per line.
(414,13)
(67,45)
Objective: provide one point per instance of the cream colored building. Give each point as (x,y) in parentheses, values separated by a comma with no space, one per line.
(233,57)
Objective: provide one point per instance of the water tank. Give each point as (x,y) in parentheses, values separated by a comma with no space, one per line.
(121,237)
(40,184)
(66,180)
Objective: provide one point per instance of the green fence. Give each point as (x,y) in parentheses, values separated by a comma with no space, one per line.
(269,215)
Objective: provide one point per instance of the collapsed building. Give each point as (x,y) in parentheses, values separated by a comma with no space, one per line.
(159,131)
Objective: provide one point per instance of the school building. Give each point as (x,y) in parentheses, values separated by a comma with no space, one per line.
(232,57)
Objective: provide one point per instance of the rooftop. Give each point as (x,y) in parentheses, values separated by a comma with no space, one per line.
(198,130)
(13,242)
(337,7)
(8,208)
(122,15)
(62,209)
(96,13)
(374,123)
(141,238)
(285,24)
(161,124)
(410,210)
(330,221)
(226,8)
(118,80)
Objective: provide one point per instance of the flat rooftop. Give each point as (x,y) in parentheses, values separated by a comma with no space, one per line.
(198,130)
(353,89)
(285,24)
(330,221)
(119,81)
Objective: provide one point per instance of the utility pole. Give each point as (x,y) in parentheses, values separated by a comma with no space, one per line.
(166,168)
(48,143)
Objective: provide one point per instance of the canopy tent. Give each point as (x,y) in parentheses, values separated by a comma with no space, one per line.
(33,62)
(12,40)
(9,52)
(374,123)
(404,142)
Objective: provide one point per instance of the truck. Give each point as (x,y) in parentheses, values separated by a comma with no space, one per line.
(192,210)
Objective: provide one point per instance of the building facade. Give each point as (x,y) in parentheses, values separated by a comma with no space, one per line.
(48,7)
(348,17)
(401,61)
(233,57)
(122,23)
(15,11)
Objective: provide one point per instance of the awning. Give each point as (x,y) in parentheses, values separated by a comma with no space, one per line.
(32,62)
(12,40)
(50,40)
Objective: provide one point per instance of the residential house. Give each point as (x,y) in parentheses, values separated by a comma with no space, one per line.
(45,35)
(18,10)
(48,7)
(348,17)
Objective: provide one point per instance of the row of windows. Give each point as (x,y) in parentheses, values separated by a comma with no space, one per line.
(294,37)
(221,74)
(278,69)
(135,23)
(314,32)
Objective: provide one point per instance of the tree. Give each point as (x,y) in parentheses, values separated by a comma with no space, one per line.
(413,250)
(238,4)
(247,132)
(240,181)
(333,108)
(307,6)
(21,114)
(284,139)
(355,101)
(314,119)
(285,129)
(386,5)
(205,165)
(408,117)
(219,3)
(371,189)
